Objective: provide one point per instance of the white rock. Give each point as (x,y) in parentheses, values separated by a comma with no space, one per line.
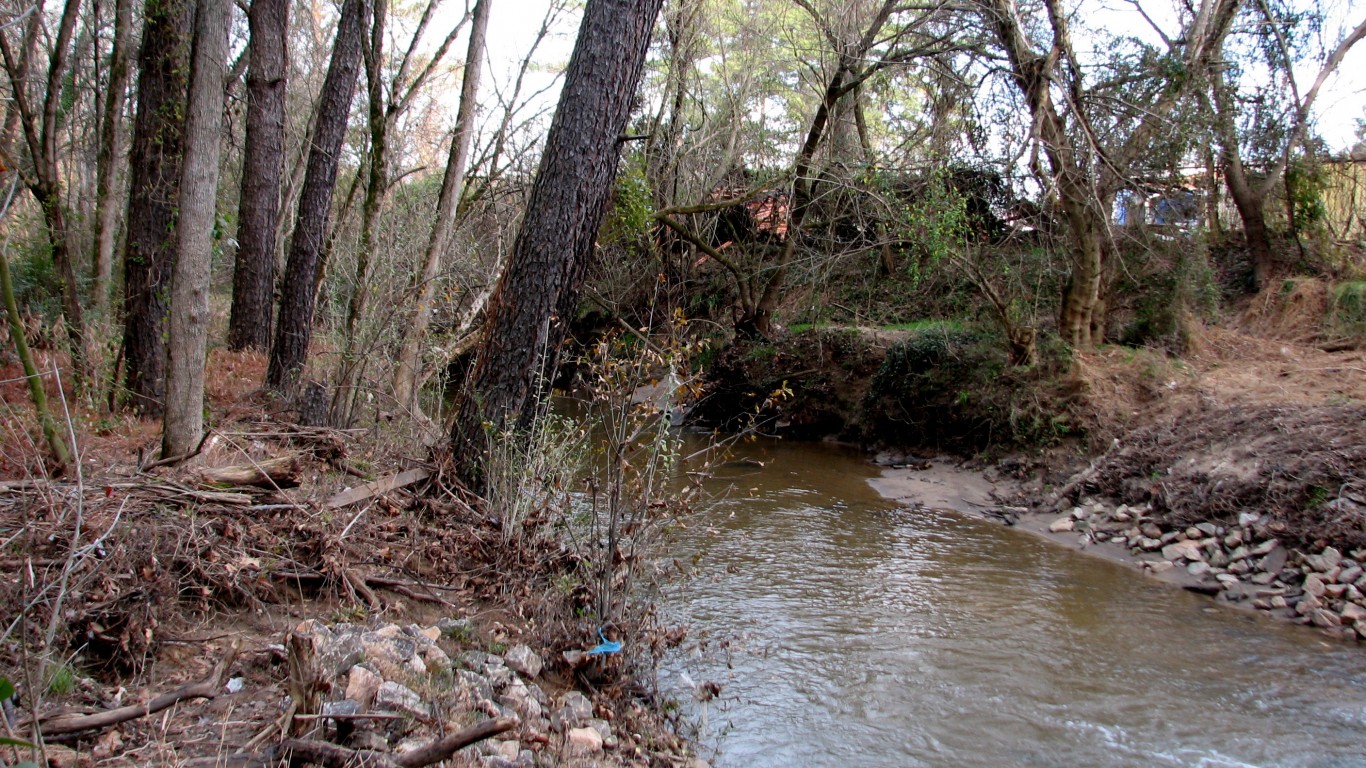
(1062,525)
(398,698)
(1198,568)
(1188,550)
(1313,584)
(1352,613)
(524,661)
(362,685)
(1331,557)
(584,740)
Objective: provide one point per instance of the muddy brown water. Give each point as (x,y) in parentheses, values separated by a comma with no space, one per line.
(848,630)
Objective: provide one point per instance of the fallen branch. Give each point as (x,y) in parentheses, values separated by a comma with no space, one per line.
(282,472)
(207,688)
(301,751)
(377,488)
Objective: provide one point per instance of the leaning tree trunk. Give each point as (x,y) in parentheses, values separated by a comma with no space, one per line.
(189,321)
(407,372)
(253,279)
(556,239)
(153,197)
(45,180)
(294,326)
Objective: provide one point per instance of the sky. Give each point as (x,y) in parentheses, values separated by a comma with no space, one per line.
(513,25)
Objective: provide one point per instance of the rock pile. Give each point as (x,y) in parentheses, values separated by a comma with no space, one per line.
(1238,562)
(396,688)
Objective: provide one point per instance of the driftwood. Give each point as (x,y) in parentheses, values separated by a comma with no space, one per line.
(377,488)
(282,472)
(207,688)
(301,751)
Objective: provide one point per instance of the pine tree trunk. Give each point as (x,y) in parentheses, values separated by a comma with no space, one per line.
(294,326)
(406,374)
(154,192)
(530,310)
(189,319)
(253,279)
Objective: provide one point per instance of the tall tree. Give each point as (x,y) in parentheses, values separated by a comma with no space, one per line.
(386,107)
(1249,190)
(253,279)
(44,177)
(189,321)
(527,319)
(452,188)
(1084,174)
(294,325)
(110,158)
(153,197)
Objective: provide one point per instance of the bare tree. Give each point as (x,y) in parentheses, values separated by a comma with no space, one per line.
(44,178)
(527,319)
(386,108)
(406,373)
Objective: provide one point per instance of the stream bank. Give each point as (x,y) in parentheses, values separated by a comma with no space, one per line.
(1238,471)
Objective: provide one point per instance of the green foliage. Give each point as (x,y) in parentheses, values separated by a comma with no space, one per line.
(950,387)
(1181,285)
(37,287)
(1305,184)
(61,680)
(1347,313)
(632,217)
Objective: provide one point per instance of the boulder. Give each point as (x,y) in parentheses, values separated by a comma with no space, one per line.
(523,660)
(575,709)
(1274,561)
(1352,613)
(1062,525)
(1349,575)
(583,741)
(1187,550)
(397,698)
(1313,584)
(1322,617)
(362,684)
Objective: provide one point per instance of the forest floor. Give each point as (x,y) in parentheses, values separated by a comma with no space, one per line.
(271,573)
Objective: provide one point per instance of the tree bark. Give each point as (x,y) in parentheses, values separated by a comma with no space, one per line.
(1033,74)
(189,321)
(253,279)
(55,442)
(45,180)
(153,197)
(109,159)
(294,325)
(556,238)
(406,373)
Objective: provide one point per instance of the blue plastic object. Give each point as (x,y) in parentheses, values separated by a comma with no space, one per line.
(605,647)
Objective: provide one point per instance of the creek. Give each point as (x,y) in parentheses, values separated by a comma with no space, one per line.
(848,630)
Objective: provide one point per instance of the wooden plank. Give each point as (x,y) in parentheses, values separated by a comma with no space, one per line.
(377,488)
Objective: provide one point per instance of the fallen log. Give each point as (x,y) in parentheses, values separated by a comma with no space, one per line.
(207,688)
(303,751)
(281,472)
